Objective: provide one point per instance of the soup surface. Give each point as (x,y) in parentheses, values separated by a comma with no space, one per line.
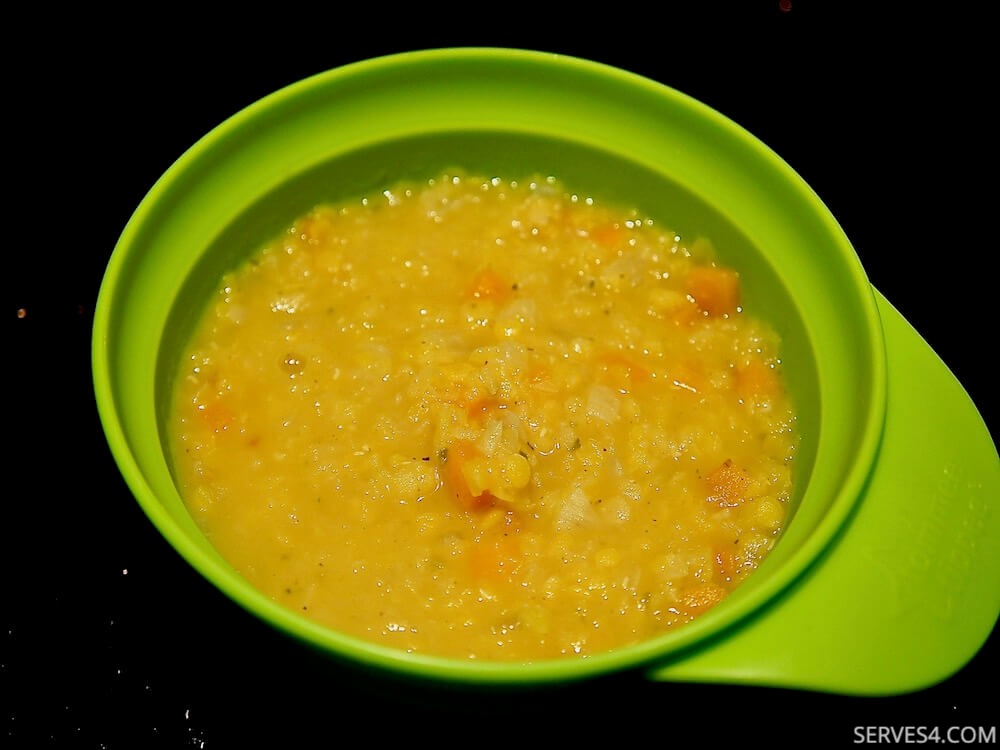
(486,419)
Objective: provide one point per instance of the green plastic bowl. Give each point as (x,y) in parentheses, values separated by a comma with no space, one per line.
(849,600)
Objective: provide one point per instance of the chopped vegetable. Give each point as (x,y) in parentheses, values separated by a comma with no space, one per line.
(455,461)
(495,558)
(218,416)
(621,371)
(756,380)
(479,481)
(479,408)
(727,485)
(702,596)
(317,228)
(610,235)
(715,290)
(488,284)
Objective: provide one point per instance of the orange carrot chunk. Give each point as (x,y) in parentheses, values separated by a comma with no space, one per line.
(495,559)
(316,228)
(685,314)
(621,371)
(457,455)
(488,284)
(702,596)
(538,374)
(727,485)
(715,290)
(479,408)
(610,235)
(755,380)
(218,416)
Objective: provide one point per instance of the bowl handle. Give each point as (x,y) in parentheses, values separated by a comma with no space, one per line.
(910,591)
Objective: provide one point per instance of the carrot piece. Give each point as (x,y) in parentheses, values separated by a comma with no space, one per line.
(621,371)
(454,458)
(609,235)
(727,485)
(317,228)
(702,596)
(479,408)
(755,379)
(715,290)
(495,559)
(685,314)
(488,284)
(538,375)
(218,416)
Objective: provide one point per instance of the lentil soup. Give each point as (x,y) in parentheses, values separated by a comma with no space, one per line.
(486,419)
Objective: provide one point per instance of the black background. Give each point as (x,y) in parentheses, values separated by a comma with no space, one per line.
(111,640)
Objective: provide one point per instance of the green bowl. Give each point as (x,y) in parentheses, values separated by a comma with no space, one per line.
(840,604)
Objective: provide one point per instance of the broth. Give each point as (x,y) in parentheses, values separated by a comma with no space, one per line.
(486,419)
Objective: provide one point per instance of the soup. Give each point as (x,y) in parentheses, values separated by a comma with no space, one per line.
(486,419)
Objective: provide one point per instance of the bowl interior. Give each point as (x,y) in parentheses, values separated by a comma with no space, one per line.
(513,114)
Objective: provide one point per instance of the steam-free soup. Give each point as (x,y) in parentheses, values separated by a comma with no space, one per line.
(486,419)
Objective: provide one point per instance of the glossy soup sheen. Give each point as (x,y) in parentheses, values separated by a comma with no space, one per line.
(486,419)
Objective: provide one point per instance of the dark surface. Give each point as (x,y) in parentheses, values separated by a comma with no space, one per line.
(113,641)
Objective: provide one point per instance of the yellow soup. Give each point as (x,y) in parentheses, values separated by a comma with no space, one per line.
(486,419)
